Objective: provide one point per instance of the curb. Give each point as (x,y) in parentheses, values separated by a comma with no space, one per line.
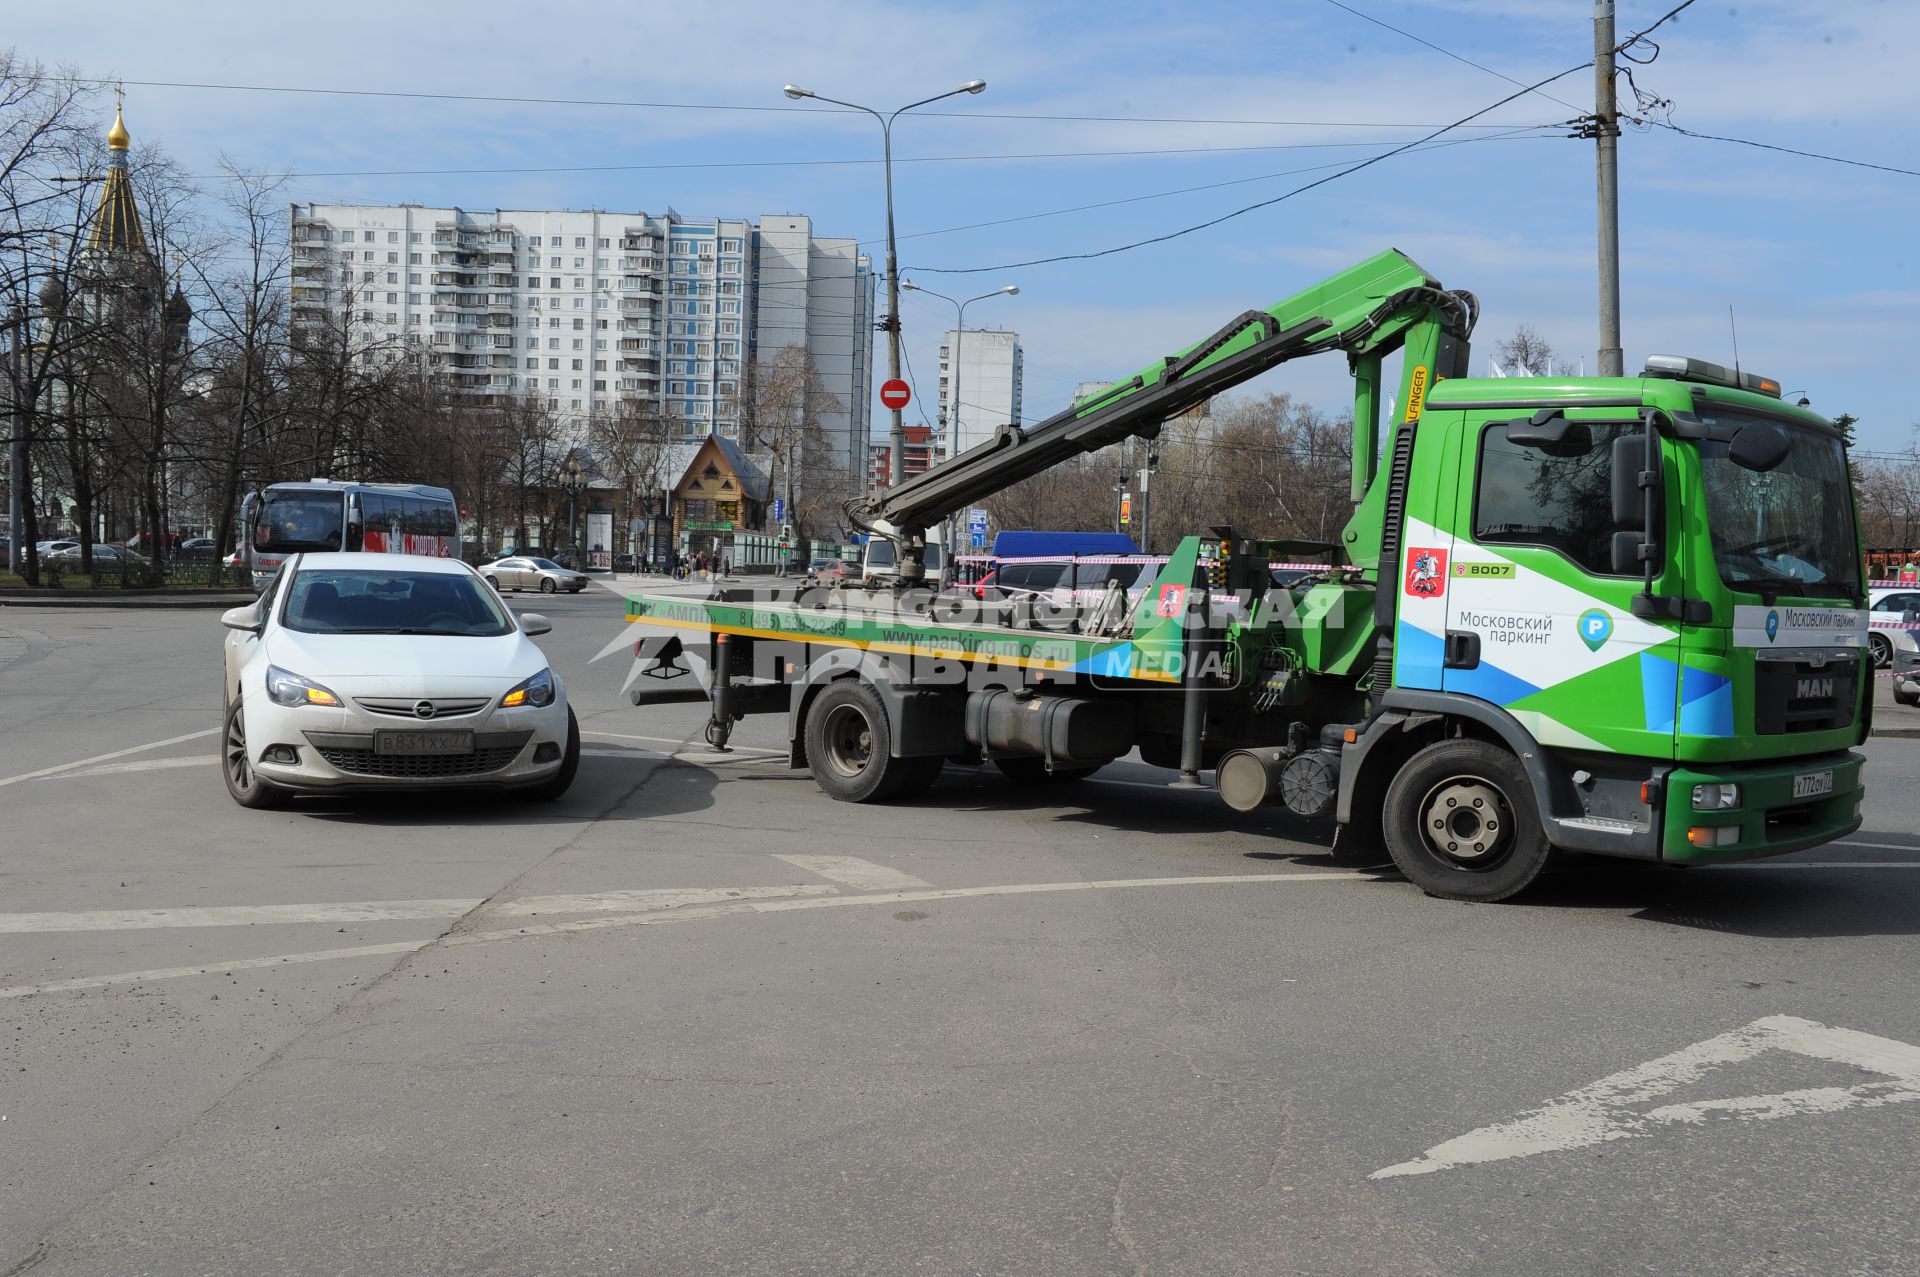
(1896,733)
(131,600)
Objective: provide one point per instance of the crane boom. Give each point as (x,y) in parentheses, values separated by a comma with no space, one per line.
(1368,311)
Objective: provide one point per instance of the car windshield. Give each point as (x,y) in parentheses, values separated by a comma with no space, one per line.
(546,565)
(1785,530)
(392,601)
(290,521)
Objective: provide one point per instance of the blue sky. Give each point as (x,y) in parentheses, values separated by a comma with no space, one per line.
(1818,260)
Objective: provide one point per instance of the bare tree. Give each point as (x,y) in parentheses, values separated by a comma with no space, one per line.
(43,126)
(1526,353)
(632,445)
(785,404)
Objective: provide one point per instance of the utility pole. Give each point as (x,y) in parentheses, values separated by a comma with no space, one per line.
(1605,126)
(17,445)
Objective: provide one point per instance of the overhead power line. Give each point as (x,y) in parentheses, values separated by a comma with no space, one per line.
(1787,150)
(1445,52)
(898,159)
(1369,162)
(743,107)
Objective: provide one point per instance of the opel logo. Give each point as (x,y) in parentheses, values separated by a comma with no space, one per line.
(424,710)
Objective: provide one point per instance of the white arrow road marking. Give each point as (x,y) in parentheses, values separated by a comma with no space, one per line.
(103,758)
(1605,1110)
(856,872)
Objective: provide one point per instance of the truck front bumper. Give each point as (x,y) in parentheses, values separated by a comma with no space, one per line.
(1769,818)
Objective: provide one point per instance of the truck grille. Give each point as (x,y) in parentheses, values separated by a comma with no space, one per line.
(1800,693)
(364,762)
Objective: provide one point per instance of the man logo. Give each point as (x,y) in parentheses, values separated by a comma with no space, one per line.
(1812,687)
(1773,626)
(1596,627)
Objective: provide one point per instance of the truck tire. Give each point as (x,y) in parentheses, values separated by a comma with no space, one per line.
(1033,771)
(850,745)
(1461,823)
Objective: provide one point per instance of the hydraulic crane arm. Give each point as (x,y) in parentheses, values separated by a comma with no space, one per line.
(1368,310)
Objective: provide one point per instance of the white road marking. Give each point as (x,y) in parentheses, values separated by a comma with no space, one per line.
(856,872)
(385,910)
(147,765)
(1877,846)
(1606,1110)
(694,914)
(103,758)
(656,898)
(233,915)
(1827,864)
(213,968)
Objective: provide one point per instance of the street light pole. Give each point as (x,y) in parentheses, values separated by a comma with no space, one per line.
(953,356)
(16,445)
(1606,137)
(897,435)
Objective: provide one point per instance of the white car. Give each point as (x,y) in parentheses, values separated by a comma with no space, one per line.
(1888,607)
(389,671)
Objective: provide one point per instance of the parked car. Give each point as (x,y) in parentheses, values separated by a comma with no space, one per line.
(526,573)
(568,559)
(198,547)
(826,571)
(385,671)
(106,557)
(1889,603)
(54,547)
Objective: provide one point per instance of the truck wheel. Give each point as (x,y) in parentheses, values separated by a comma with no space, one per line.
(1461,823)
(850,745)
(1033,771)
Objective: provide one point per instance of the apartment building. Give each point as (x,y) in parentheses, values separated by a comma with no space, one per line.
(588,308)
(987,377)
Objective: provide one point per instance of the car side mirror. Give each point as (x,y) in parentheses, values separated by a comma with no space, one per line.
(532,624)
(242,618)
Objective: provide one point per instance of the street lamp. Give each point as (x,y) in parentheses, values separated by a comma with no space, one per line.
(953,382)
(897,435)
(572,482)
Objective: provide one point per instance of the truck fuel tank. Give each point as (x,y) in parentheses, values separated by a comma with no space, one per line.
(1062,728)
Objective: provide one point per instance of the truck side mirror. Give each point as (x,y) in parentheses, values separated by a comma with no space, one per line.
(1551,432)
(1629,504)
(1759,446)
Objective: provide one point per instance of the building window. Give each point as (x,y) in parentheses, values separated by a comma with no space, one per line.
(578,282)
(533,363)
(533,241)
(413,237)
(367,236)
(553,365)
(576,368)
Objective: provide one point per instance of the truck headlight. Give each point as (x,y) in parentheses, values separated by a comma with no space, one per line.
(1715,797)
(536,691)
(284,687)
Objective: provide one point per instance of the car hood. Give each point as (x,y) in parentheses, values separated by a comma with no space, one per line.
(399,663)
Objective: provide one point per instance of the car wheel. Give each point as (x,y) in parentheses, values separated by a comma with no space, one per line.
(1461,823)
(547,586)
(850,745)
(1033,771)
(562,780)
(1882,648)
(494,581)
(236,765)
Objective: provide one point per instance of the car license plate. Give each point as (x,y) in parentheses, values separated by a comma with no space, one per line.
(423,742)
(1812,784)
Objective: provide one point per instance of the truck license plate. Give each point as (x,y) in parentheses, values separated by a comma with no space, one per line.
(1812,784)
(456,743)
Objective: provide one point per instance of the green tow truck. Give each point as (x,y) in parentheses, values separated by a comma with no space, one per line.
(1620,616)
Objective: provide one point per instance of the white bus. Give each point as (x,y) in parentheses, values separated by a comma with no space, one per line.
(328,514)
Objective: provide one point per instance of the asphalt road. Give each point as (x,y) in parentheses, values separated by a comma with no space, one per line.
(697,1018)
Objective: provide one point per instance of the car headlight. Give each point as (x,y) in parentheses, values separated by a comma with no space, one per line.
(536,691)
(284,687)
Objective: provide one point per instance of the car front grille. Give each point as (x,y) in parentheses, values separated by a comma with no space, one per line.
(364,762)
(408,706)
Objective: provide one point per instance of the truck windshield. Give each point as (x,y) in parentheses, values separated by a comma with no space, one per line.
(1788,530)
(290,521)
